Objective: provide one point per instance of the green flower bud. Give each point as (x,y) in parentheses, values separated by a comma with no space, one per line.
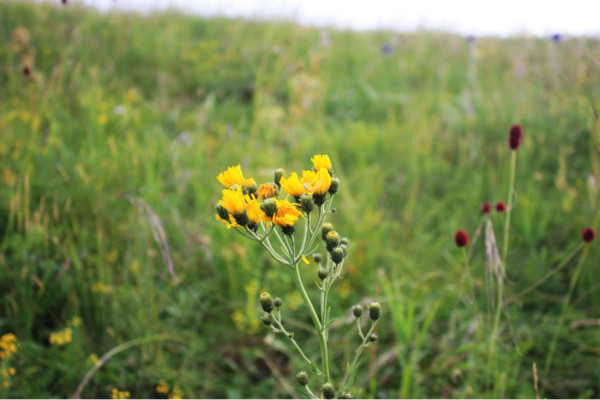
(319,199)
(302,377)
(269,207)
(374,311)
(222,212)
(325,229)
(277,175)
(317,258)
(288,230)
(335,185)
(266,319)
(372,338)
(277,302)
(346,395)
(241,219)
(250,189)
(357,310)
(307,203)
(337,255)
(266,302)
(322,272)
(345,241)
(332,240)
(344,249)
(328,390)
(253,226)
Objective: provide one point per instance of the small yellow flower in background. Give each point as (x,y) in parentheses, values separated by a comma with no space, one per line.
(93,359)
(7,345)
(76,321)
(119,394)
(102,119)
(239,319)
(61,338)
(8,177)
(293,301)
(134,266)
(287,213)
(112,256)
(176,393)
(162,387)
(321,161)
(345,290)
(12,371)
(100,287)
(234,176)
(266,190)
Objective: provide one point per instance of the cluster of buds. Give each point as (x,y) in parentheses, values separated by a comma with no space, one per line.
(486,208)
(336,246)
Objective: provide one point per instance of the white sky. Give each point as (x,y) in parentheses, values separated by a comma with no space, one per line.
(483,17)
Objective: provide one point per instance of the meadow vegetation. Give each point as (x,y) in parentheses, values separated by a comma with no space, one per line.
(113,130)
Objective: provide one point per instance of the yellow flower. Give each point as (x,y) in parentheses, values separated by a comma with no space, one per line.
(233,201)
(12,371)
(316,182)
(254,211)
(162,387)
(321,161)
(120,394)
(287,213)
(176,393)
(234,176)
(305,260)
(7,345)
(61,338)
(266,190)
(292,185)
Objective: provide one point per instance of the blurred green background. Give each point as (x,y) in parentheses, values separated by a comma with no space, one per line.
(115,126)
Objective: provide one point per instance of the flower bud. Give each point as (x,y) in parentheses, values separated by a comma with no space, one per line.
(485,208)
(374,311)
(500,207)
(332,240)
(222,212)
(322,272)
(250,189)
(346,395)
(302,377)
(241,219)
(515,137)
(288,230)
(337,255)
(253,226)
(345,241)
(588,235)
(461,238)
(328,390)
(335,185)
(266,302)
(373,337)
(269,207)
(277,302)
(317,258)
(325,229)
(357,310)
(266,319)
(307,203)
(319,199)
(277,175)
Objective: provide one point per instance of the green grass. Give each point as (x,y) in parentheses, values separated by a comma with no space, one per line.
(418,139)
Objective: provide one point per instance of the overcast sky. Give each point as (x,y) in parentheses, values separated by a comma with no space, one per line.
(483,17)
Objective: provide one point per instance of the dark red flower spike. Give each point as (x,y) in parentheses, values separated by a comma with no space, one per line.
(461,238)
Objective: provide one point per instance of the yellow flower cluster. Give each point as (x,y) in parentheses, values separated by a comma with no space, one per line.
(163,388)
(119,394)
(61,338)
(244,205)
(7,345)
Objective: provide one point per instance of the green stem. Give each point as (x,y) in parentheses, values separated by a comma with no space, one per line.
(511,189)
(563,313)
(316,322)
(291,339)
(359,351)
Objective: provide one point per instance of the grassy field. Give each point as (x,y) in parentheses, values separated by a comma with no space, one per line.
(115,126)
